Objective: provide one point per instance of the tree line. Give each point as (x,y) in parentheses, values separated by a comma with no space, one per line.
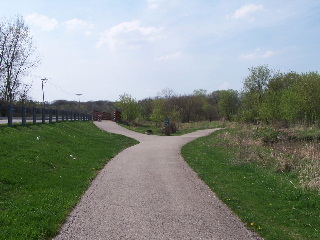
(74,106)
(267,96)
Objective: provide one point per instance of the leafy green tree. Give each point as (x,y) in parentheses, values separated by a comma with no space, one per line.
(281,84)
(129,107)
(308,91)
(255,87)
(258,79)
(159,113)
(291,105)
(228,104)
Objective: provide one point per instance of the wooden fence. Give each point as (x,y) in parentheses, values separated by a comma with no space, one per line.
(98,116)
(35,115)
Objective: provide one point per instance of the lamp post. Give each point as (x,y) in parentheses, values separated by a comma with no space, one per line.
(44,80)
(79,95)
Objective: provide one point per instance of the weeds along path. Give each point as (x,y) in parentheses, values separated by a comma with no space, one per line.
(149,192)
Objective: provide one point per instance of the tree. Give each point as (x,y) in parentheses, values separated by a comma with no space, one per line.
(308,92)
(258,80)
(209,111)
(200,99)
(159,112)
(146,106)
(166,93)
(200,92)
(276,103)
(228,104)
(255,87)
(17,57)
(129,107)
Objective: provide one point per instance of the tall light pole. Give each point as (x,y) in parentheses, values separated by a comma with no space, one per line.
(44,80)
(79,95)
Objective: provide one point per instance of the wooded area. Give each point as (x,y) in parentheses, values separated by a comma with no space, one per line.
(267,96)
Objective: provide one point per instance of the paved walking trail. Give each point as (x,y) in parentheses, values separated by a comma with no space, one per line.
(149,192)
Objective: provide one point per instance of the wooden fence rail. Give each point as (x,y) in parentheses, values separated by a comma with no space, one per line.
(26,114)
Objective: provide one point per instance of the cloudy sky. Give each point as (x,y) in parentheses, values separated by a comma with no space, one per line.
(104,48)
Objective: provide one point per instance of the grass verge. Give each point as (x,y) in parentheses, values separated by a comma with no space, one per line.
(271,203)
(45,169)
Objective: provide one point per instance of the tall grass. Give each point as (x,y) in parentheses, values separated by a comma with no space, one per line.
(295,150)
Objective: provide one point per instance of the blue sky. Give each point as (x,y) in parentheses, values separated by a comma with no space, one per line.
(104,48)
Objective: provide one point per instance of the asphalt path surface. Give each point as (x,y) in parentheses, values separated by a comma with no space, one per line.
(149,192)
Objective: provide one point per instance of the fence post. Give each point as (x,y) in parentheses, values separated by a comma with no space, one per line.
(57,115)
(50,115)
(24,112)
(34,115)
(43,115)
(10,115)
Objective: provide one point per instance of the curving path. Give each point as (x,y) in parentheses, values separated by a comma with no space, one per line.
(149,192)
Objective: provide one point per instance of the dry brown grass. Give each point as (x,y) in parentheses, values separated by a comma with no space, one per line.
(281,149)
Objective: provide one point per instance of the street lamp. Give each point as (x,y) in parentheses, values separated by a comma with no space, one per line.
(44,80)
(79,95)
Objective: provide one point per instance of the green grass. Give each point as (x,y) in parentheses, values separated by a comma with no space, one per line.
(270,203)
(142,128)
(183,128)
(45,169)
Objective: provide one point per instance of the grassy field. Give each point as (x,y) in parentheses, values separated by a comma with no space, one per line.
(45,169)
(251,179)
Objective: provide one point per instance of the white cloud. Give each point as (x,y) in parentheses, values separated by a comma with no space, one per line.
(131,34)
(44,22)
(246,12)
(79,25)
(169,57)
(258,54)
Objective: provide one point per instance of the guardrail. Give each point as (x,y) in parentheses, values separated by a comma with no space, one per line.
(35,115)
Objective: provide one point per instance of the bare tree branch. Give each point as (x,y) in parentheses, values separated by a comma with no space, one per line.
(18,56)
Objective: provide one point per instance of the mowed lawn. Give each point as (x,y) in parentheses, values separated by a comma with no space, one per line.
(44,171)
